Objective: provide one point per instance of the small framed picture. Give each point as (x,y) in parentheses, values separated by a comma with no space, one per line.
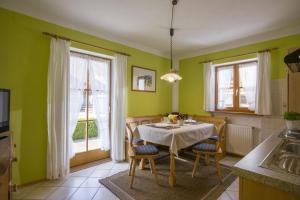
(143,79)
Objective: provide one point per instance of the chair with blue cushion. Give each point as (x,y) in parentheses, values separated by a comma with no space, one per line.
(210,147)
(147,151)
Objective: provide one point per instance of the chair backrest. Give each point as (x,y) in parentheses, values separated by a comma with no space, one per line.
(145,119)
(221,133)
(220,124)
(129,130)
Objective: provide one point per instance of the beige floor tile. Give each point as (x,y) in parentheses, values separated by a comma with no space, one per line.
(121,166)
(84,194)
(53,183)
(74,181)
(84,173)
(113,172)
(62,193)
(104,194)
(107,166)
(100,173)
(224,196)
(23,191)
(234,195)
(40,193)
(91,182)
(234,187)
(237,181)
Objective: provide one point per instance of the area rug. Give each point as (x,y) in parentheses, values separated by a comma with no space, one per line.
(204,186)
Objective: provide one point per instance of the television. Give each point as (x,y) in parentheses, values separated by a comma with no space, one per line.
(4,109)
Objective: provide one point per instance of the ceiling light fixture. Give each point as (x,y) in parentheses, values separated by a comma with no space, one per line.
(172,76)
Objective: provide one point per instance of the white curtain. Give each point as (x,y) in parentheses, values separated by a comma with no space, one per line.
(118,114)
(263,86)
(248,74)
(225,87)
(99,79)
(78,78)
(209,86)
(57,109)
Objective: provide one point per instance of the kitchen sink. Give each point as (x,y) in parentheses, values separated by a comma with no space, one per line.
(285,157)
(290,135)
(288,162)
(292,147)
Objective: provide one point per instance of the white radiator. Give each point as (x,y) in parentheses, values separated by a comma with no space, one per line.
(239,139)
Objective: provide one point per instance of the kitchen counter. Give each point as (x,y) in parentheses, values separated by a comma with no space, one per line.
(249,168)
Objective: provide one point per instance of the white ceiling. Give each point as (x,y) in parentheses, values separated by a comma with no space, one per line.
(202,26)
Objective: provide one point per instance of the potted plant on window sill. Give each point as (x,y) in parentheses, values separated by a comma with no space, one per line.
(292,120)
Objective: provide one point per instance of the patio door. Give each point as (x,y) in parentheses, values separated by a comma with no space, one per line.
(90,93)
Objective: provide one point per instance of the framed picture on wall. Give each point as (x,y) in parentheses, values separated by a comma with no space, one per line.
(143,79)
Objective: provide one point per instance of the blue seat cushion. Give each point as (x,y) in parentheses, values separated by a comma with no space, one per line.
(137,141)
(214,138)
(205,147)
(148,149)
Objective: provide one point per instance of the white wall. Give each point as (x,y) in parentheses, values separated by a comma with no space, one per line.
(175,89)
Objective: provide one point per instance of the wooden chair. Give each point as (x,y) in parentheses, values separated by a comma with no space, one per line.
(157,119)
(212,147)
(218,122)
(136,153)
(146,121)
(135,140)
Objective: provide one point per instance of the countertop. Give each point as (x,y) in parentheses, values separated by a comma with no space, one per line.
(249,167)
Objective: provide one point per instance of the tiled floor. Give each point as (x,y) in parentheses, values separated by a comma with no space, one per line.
(80,185)
(232,192)
(84,185)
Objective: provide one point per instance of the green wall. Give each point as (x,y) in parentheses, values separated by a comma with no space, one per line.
(24,54)
(191,86)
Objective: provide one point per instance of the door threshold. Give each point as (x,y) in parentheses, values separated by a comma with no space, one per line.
(89,165)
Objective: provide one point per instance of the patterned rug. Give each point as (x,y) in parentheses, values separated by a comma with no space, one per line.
(204,186)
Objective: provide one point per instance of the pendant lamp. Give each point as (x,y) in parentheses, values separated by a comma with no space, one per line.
(172,76)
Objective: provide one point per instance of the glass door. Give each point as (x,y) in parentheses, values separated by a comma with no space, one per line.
(91,135)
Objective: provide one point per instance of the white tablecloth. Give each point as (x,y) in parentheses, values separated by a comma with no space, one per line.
(178,138)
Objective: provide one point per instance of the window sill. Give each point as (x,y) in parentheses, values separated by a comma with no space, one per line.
(238,113)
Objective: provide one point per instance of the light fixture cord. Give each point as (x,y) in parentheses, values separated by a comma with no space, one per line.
(172,33)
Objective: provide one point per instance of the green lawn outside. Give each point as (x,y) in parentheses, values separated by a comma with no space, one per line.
(79,132)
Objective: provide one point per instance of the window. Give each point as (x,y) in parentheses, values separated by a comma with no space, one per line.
(236,87)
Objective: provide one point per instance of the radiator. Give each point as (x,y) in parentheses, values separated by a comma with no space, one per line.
(239,139)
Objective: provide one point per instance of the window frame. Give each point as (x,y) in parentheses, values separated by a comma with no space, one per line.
(88,90)
(236,88)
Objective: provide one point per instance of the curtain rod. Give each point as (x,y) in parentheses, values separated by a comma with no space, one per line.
(76,41)
(264,50)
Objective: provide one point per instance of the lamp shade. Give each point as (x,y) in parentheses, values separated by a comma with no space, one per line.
(171,77)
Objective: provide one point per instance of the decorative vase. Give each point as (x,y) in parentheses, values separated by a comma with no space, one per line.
(292,124)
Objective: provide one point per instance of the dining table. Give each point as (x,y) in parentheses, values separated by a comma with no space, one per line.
(176,137)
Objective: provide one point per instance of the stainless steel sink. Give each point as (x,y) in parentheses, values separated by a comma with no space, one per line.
(288,162)
(290,135)
(292,147)
(285,157)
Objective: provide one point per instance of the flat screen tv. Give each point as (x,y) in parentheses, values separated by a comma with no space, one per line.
(4,109)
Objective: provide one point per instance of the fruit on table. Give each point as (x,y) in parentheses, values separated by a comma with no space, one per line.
(173,118)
